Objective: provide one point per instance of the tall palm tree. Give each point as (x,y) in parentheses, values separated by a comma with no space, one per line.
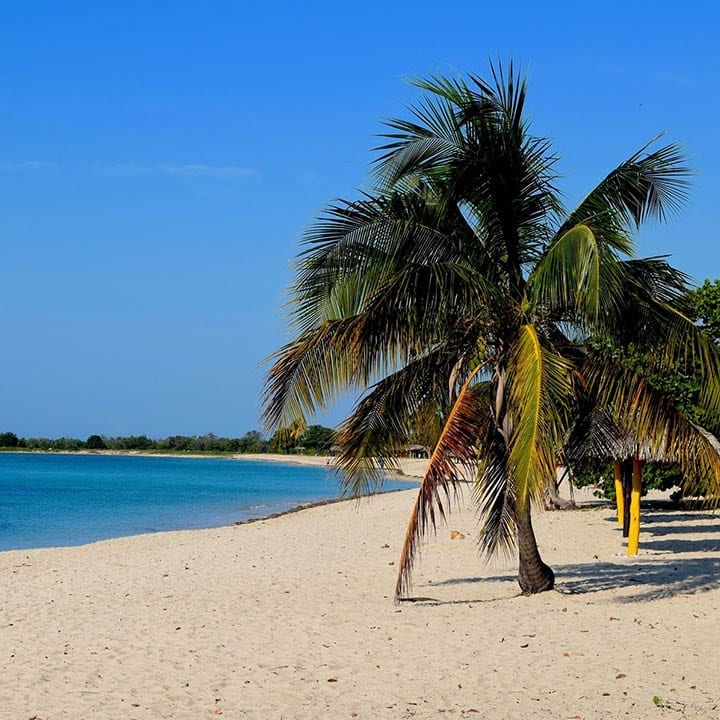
(459,281)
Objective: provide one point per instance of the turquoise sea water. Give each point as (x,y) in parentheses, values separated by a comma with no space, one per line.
(55,500)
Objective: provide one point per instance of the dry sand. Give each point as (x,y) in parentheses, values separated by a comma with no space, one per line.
(293,618)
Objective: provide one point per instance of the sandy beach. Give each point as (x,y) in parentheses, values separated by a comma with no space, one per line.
(293,617)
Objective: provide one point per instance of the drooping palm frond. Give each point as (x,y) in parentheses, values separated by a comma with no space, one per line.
(578,275)
(410,312)
(651,318)
(309,372)
(540,385)
(450,464)
(379,425)
(494,494)
(682,344)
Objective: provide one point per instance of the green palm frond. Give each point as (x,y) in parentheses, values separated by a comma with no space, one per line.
(652,319)
(539,389)
(478,141)
(579,275)
(357,248)
(310,372)
(432,141)
(379,425)
(494,494)
(647,186)
(680,344)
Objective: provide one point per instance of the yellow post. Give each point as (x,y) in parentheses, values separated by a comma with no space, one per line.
(619,499)
(634,536)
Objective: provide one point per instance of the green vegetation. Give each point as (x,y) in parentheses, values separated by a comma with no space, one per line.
(681,384)
(313,440)
(317,440)
(460,288)
(9,440)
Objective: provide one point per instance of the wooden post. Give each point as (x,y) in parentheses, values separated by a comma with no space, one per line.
(627,472)
(618,491)
(634,536)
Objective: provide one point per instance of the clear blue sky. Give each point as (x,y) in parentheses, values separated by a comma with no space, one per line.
(158,162)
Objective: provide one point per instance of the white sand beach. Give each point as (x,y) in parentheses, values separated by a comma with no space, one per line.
(293,617)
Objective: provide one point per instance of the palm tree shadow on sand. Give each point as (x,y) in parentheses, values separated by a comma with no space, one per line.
(666,572)
(646,580)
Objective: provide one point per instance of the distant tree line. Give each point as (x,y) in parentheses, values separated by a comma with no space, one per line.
(313,440)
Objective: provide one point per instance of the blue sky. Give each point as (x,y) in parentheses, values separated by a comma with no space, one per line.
(159,161)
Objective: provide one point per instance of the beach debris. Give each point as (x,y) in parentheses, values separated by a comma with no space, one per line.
(456,535)
(332,679)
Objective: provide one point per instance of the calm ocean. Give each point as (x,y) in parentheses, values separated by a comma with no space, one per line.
(55,500)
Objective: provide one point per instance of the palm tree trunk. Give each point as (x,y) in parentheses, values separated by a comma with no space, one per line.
(534,575)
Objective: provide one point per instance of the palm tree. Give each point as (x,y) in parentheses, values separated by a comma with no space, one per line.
(460,282)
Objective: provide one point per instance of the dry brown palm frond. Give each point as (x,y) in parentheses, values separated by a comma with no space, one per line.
(449,467)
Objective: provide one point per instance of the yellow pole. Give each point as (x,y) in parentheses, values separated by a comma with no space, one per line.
(619,499)
(634,536)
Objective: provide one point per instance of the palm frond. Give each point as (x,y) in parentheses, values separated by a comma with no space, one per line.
(379,425)
(454,455)
(539,389)
(652,319)
(433,141)
(309,372)
(356,247)
(579,275)
(647,186)
(477,140)
(494,495)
